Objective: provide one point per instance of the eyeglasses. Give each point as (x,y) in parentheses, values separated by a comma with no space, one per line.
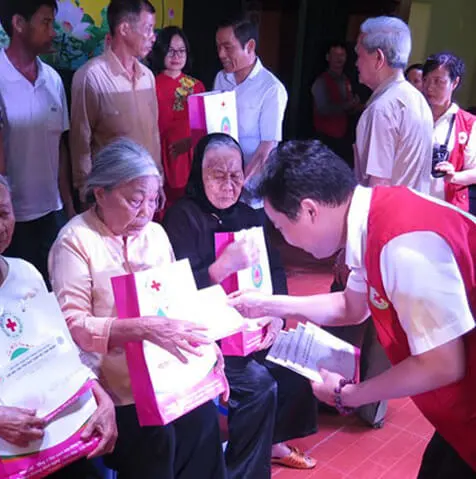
(176,53)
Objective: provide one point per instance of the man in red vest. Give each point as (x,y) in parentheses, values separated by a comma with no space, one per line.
(413,267)
(334,103)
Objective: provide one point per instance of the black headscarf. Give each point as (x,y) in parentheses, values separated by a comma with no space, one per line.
(195,189)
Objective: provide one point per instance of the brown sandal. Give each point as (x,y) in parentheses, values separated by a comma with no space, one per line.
(295,460)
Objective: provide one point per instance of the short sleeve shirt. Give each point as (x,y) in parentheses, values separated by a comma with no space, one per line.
(34,116)
(440,132)
(261,102)
(394,136)
(420,276)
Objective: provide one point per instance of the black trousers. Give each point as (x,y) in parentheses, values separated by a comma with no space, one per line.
(188,448)
(441,461)
(32,240)
(268,404)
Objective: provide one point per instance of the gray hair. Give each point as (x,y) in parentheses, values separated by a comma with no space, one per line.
(222,140)
(4,182)
(391,35)
(119,162)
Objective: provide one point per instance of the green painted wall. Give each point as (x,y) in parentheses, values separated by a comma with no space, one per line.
(452,27)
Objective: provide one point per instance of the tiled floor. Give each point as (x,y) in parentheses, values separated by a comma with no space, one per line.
(345,447)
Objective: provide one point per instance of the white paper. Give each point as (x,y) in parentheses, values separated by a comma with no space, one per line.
(221,113)
(309,348)
(40,369)
(171,291)
(257,276)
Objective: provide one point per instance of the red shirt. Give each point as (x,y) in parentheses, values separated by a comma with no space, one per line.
(172,96)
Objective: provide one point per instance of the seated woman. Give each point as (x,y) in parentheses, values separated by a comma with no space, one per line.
(114,237)
(454,138)
(20,280)
(268,404)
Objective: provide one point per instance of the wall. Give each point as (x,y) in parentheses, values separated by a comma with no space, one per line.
(451,27)
(169,12)
(81,26)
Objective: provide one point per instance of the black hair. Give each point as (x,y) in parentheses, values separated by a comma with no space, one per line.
(118,10)
(415,66)
(24,8)
(453,64)
(161,47)
(336,44)
(244,29)
(296,170)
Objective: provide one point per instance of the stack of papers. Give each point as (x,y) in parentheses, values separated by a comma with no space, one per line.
(309,348)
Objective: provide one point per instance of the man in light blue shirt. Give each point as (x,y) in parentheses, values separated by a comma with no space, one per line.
(261,98)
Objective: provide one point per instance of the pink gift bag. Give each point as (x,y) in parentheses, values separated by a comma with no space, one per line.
(212,112)
(256,277)
(164,389)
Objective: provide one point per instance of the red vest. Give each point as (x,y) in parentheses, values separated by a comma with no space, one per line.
(335,125)
(458,194)
(396,211)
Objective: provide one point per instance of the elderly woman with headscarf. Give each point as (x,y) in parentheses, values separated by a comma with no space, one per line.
(20,280)
(268,404)
(116,236)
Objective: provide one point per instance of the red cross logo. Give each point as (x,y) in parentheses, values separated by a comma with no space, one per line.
(156,286)
(11,325)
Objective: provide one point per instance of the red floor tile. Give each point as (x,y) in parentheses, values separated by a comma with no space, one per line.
(369,470)
(396,448)
(345,447)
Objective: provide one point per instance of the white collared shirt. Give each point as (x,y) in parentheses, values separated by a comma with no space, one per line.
(420,276)
(394,136)
(261,101)
(34,118)
(440,131)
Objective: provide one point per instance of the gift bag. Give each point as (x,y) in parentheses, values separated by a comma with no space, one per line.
(212,112)
(40,369)
(164,388)
(256,277)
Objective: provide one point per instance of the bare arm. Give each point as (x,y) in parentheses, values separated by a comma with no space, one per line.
(376,181)
(434,369)
(259,158)
(332,309)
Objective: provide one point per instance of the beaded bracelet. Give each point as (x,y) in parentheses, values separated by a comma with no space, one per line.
(345,411)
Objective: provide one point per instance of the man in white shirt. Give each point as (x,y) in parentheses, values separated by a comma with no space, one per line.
(34,117)
(394,134)
(261,98)
(414,273)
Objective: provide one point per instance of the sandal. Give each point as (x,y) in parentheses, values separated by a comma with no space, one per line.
(295,460)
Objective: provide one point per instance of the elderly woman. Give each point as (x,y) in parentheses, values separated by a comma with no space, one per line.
(268,405)
(454,139)
(114,237)
(20,280)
